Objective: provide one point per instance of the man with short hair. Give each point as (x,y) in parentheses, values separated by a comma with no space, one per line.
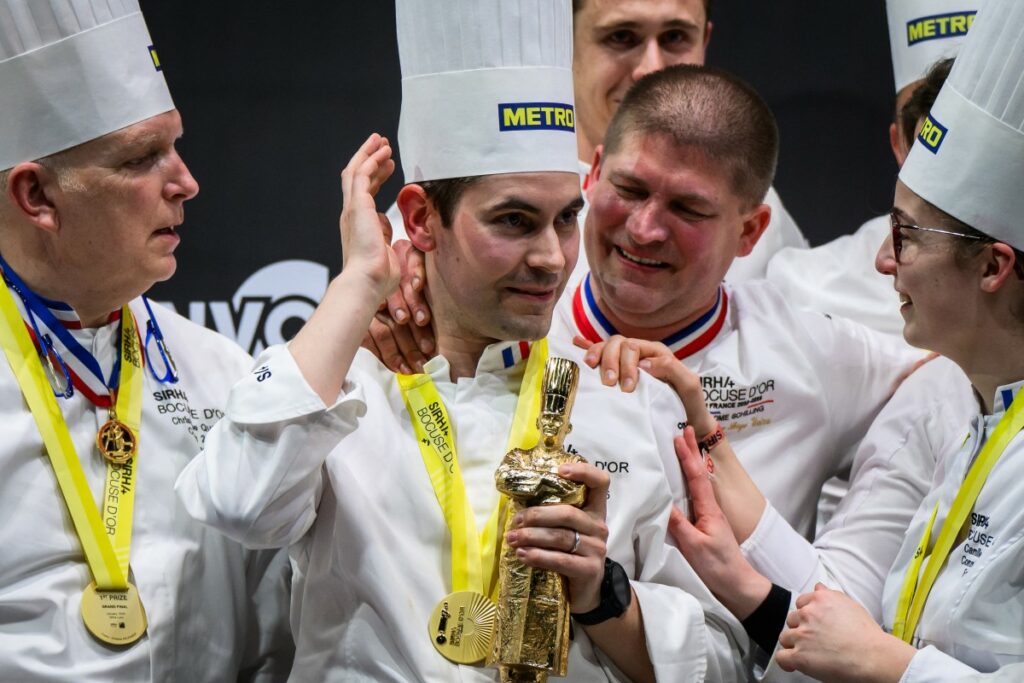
(674,198)
(106,578)
(381,483)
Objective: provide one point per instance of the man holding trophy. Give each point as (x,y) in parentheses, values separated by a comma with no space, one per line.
(383,485)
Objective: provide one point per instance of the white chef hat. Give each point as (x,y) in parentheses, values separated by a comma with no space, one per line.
(921,32)
(486,87)
(968,159)
(72,71)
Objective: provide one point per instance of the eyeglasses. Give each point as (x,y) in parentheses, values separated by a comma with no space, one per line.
(897,234)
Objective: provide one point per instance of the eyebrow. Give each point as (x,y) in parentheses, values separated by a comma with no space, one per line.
(517,204)
(902,215)
(631,24)
(514,203)
(624,176)
(575,204)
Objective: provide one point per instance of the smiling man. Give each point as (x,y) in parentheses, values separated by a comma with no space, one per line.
(675,197)
(105,578)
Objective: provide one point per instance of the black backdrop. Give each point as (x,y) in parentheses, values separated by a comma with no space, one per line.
(276,95)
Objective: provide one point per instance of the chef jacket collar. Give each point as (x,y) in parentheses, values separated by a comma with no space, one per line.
(496,358)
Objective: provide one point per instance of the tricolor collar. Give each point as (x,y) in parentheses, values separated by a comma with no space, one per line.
(495,358)
(594,326)
(1005,396)
(57,323)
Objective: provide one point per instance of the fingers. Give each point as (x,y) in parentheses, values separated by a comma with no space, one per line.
(629,356)
(561,517)
(424,339)
(397,307)
(785,657)
(560,539)
(610,360)
(395,345)
(373,145)
(414,279)
(583,343)
(597,481)
(682,530)
(702,494)
(594,350)
(806,598)
(544,535)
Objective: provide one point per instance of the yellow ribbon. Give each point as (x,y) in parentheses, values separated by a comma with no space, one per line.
(474,554)
(95,526)
(917,586)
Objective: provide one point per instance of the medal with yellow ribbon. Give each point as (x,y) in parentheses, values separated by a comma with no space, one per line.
(462,624)
(917,586)
(111,606)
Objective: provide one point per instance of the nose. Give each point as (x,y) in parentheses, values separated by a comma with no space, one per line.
(644,225)
(885,259)
(180,186)
(651,59)
(548,251)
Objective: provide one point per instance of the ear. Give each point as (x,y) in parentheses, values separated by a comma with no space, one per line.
(30,189)
(896,144)
(754,225)
(998,267)
(421,218)
(595,171)
(707,39)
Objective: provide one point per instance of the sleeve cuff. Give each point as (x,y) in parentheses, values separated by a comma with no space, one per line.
(766,622)
(680,650)
(934,666)
(276,391)
(779,553)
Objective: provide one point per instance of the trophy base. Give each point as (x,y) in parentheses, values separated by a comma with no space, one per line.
(522,675)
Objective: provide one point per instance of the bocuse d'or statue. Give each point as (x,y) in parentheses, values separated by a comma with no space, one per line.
(531,640)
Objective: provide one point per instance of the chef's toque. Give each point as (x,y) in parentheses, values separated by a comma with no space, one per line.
(921,32)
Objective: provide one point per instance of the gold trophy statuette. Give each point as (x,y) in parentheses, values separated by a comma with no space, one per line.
(531,640)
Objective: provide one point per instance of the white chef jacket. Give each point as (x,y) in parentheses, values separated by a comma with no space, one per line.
(973,620)
(197,587)
(782,233)
(922,426)
(346,487)
(839,278)
(793,390)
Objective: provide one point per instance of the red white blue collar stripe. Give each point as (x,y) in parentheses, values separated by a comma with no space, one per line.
(594,326)
(55,321)
(515,352)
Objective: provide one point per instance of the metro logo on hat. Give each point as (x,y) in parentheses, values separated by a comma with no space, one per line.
(939,26)
(72,71)
(470,64)
(970,163)
(536,116)
(921,32)
(932,133)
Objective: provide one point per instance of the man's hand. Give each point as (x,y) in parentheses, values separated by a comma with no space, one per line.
(365,233)
(543,537)
(401,342)
(708,543)
(621,358)
(832,638)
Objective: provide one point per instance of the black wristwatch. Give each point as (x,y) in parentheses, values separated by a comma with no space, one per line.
(615,596)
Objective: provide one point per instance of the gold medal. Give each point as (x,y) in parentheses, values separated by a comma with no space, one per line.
(115,617)
(116,440)
(462,626)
